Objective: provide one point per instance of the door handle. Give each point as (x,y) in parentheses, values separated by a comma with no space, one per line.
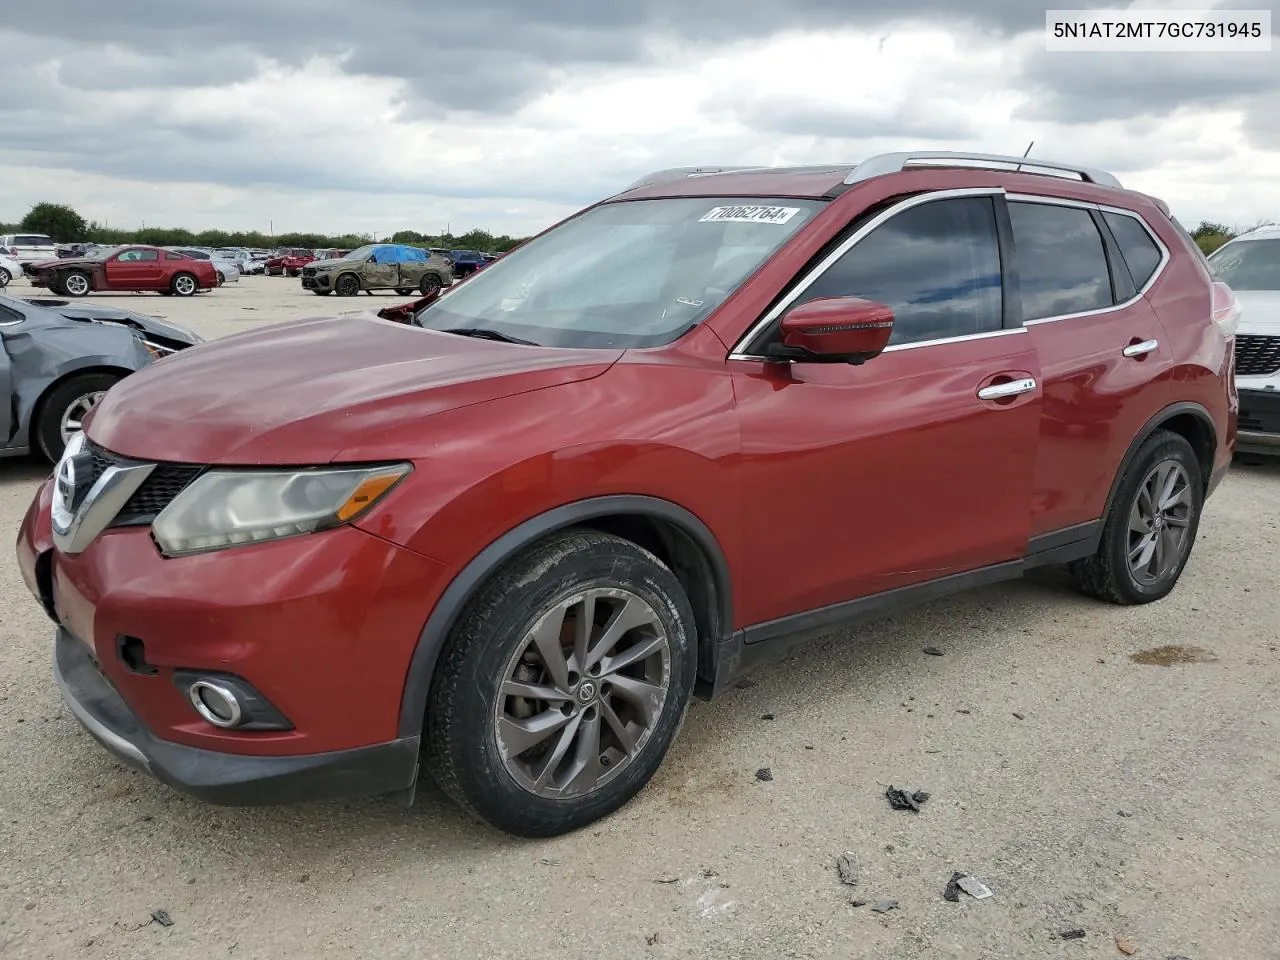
(1141,349)
(1000,391)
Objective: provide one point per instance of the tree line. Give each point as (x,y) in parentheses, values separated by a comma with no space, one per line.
(65,225)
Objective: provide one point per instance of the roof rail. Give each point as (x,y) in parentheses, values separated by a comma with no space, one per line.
(887,163)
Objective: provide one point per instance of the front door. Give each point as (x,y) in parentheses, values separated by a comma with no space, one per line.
(381,272)
(913,466)
(134,269)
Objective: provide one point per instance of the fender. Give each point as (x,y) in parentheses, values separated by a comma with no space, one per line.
(1150,427)
(417,687)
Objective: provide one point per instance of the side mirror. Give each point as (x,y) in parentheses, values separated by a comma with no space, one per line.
(836,329)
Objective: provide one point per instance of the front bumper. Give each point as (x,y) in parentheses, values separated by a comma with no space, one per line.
(216,777)
(1259,424)
(318,282)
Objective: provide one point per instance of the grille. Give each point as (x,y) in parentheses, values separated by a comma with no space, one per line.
(166,481)
(308,271)
(1257,356)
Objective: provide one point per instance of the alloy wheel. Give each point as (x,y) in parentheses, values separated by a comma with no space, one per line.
(1159,522)
(185,286)
(76,284)
(73,417)
(583,692)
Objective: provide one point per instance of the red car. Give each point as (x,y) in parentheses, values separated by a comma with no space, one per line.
(126,269)
(289,263)
(505,543)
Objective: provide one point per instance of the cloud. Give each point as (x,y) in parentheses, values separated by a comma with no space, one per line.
(326,117)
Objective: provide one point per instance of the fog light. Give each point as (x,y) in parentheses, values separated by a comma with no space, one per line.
(216,702)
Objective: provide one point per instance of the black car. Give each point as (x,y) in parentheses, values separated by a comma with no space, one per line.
(58,359)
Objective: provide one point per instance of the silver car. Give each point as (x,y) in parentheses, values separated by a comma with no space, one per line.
(228,270)
(59,358)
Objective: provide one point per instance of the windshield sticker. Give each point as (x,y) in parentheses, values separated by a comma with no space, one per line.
(749,214)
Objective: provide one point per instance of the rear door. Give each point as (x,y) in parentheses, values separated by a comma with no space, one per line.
(910,467)
(9,318)
(1100,344)
(382,270)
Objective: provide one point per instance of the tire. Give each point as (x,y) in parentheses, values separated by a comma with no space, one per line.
(431,283)
(472,727)
(75,283)
(347,285)
(83,390)
(4,278)
(1130,532)
(185,285)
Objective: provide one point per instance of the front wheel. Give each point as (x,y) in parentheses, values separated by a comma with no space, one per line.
(347,285)
(4,278)
(430,284)
(1148,533)
(61,413)
(76,284)
(563,685)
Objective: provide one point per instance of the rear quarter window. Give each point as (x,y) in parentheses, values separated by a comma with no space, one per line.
(1140,252)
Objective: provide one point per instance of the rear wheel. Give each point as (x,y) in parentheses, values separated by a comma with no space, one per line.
(563,685)
(1151,528)
(184,285)
(61,413)
(76,283)
(430,284)
(347,285)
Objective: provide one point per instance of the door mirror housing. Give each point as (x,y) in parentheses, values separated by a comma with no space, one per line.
(835,330)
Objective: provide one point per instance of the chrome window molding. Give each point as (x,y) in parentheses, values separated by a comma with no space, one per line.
(960,339)
(1165,257)
(739,351)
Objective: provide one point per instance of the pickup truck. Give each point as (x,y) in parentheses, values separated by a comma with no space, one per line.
(466,262)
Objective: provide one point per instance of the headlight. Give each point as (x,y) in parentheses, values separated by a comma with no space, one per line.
(223,508)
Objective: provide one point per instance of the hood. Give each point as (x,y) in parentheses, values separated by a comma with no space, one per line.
(340,262)
(302,392)
(1259,311)
(156,327)
(64,262)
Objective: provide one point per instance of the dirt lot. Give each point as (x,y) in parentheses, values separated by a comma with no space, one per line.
(1089,782)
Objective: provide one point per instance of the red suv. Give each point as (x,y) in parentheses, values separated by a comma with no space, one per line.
(689,425)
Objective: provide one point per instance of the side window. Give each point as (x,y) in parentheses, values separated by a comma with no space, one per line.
(174,256)
(147,255)
(128,256)
(1062,265)
(937,265)
(1140,252)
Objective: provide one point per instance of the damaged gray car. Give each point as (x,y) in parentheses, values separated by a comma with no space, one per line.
(58,359)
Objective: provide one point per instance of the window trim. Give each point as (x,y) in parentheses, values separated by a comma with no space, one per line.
(1098,208)
(739,351)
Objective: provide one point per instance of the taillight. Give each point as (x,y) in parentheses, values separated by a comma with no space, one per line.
(1226,310)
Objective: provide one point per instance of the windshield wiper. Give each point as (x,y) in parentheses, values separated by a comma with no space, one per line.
(481,334)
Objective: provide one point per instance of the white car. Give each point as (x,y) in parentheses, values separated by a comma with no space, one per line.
(1250,266)
(28,247)
(9,268)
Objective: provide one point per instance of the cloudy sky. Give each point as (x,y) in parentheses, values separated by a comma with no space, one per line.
(336,116)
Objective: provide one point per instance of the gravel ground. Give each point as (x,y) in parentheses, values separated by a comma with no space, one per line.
(1087,787)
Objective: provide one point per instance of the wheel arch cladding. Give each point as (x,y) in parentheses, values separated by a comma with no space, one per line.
(1189,420)
(677,537)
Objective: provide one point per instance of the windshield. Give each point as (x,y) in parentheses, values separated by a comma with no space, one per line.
(102,253)
(1248,264)
(361,253)
(638,273)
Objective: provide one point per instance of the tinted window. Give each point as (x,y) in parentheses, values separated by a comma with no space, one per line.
(32,241)
(1061,262)
(1248,264)
(174,256)
(1140,252)
(937,265)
